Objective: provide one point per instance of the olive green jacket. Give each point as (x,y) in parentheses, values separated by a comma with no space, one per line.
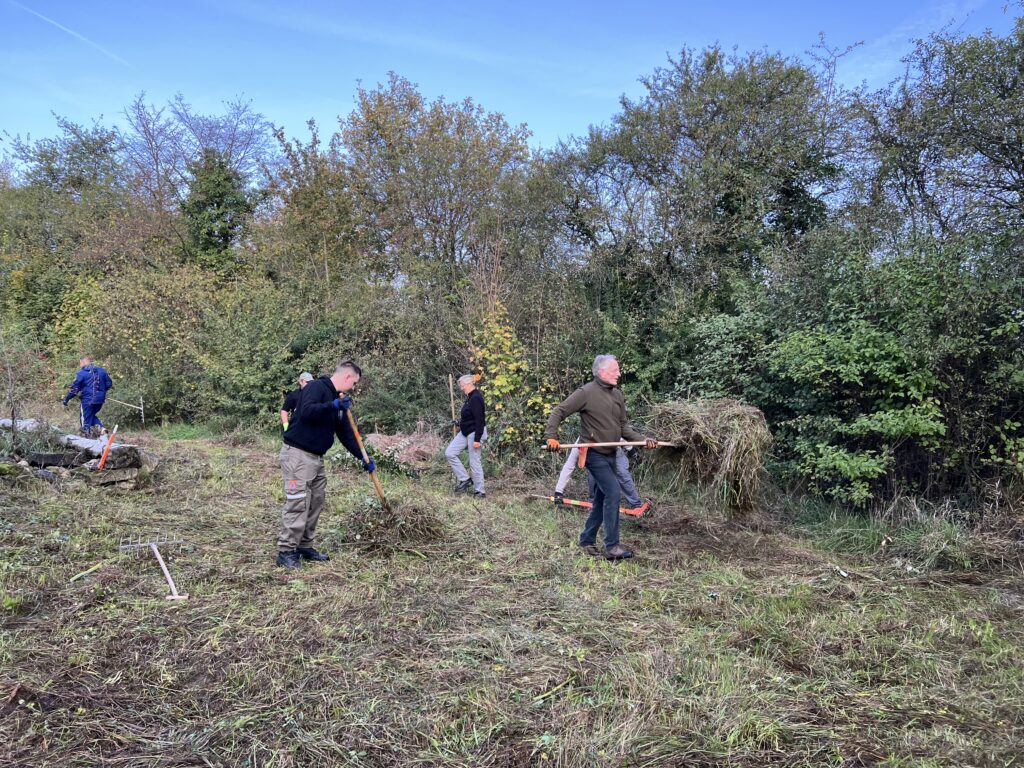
(602,411)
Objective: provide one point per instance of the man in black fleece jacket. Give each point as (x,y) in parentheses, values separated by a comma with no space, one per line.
(469,437)
(317,420)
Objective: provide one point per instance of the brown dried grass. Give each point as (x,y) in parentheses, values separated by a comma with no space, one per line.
(721,444)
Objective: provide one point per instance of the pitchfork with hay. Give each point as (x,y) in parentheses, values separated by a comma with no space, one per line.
(720,443)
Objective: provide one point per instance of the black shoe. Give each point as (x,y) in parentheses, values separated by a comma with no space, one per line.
(464,487)
(308,553)
(479,495)
(590,549)
(288,559)
(558,497)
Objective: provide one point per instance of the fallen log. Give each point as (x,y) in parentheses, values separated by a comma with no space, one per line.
(121,454)
(56,459)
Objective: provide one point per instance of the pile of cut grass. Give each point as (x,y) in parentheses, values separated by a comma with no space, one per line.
(400,524)
(720,444)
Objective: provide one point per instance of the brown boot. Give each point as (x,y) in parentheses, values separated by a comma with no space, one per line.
(618,552)
(590,549)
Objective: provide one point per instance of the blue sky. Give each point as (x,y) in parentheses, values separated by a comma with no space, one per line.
(559,67)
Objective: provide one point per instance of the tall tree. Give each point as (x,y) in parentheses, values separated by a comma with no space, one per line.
(949,139)
(216,209)
(721,160)
(428,176)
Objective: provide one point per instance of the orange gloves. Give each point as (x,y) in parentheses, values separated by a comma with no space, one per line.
(553,445)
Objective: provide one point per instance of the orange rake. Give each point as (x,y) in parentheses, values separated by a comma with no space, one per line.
(640,511)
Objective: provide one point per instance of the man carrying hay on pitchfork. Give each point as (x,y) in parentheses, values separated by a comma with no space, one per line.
(309,436)
(602,412)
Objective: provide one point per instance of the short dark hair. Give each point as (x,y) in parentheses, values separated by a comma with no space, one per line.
(349,365)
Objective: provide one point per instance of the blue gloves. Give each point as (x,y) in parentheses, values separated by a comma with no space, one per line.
(342,404)
(369,466)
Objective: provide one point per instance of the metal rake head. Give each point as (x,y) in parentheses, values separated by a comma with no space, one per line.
(139,544)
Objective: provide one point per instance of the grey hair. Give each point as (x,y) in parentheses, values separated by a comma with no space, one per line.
(602,360)
(469,378)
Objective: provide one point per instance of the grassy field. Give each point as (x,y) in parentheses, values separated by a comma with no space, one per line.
(497,645)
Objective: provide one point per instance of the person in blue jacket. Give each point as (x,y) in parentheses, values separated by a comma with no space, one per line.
(91,385)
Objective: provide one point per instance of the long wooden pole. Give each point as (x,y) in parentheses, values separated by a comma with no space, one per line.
(661,444)
(451,396)
(366,458)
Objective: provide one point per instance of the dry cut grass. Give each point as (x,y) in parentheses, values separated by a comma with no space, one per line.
(720,443)
(490,642)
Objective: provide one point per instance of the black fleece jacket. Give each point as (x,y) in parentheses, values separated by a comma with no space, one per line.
(316,421)
(471,419)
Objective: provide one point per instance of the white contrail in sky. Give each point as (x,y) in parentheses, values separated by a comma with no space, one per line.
(71,32)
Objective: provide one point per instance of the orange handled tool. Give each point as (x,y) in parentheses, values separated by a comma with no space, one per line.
(106,451)
(637,443)
(638,512)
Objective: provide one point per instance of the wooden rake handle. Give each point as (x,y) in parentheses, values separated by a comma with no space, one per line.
(661,444)
(366,458)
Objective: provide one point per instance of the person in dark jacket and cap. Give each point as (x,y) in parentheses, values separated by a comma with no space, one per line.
(90,385)
(317,420)
(291,399)
(471,433)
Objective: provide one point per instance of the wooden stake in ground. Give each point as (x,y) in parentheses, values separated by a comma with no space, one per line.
(366,459)
(451,396)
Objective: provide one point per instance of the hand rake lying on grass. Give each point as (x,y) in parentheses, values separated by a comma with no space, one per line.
(589,505)
(136,546)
